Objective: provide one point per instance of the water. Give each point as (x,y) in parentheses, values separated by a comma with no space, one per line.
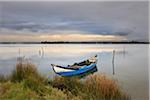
(130,61)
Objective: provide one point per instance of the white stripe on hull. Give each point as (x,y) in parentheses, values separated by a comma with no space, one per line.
(57,69)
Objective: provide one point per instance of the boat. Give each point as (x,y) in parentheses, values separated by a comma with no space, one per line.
(82,68)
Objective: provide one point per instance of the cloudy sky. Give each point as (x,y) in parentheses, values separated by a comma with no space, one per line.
(74,21)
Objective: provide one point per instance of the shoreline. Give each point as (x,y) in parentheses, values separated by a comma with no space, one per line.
(63,42)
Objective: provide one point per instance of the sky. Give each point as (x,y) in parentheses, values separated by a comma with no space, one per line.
(74,21)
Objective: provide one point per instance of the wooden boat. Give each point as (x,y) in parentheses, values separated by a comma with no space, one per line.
(87,66)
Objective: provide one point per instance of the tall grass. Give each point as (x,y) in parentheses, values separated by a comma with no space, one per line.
(25,82)
(25,70)
(94,87)
(3,78)
(102,88)
(27,74)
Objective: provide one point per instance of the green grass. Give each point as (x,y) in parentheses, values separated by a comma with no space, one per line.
(25,82)
(19,91)
(25,70)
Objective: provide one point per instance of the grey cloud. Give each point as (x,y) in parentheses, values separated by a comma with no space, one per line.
(128,18)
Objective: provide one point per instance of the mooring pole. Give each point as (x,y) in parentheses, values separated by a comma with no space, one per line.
(19,52)
(124,52)
(42,52)
(113,59)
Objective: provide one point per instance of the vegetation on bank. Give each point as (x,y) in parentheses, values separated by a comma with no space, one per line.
(26,83)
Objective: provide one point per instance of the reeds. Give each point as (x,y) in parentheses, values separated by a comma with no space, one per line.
(94,87)
(25,81)
(3,78)
(24,70)
(102,88)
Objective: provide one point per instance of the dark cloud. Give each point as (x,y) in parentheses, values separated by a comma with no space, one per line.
(128,18)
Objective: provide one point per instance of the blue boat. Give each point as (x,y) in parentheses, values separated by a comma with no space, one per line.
(85,67)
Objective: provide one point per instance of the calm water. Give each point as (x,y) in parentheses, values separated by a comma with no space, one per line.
(131,61)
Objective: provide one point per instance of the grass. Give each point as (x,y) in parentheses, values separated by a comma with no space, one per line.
(3,78)
(94,87)
(102,88)
(25,82)
(25,70)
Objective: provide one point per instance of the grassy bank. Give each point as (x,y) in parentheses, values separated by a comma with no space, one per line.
(26,83)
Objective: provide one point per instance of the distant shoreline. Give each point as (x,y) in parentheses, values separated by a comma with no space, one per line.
(61,42)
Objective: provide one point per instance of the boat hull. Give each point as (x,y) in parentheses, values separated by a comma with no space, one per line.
(73,72)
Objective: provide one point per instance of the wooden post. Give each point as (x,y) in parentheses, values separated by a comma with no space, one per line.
(42,52)
(124,52)
(19,52)
(113,59)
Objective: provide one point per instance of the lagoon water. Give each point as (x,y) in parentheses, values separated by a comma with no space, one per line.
(130,63)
